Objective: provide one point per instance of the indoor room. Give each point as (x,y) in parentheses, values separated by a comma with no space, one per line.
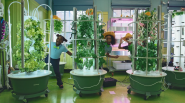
(92,51)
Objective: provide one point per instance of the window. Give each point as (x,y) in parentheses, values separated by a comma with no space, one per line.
(68,16)
(125,13)
(116,13)
(130,13)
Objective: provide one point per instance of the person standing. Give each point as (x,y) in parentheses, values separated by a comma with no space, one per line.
(56,49)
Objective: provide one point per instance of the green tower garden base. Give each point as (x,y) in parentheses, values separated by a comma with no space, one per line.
(29,85)
(147,85)
(174,78)
(88,82)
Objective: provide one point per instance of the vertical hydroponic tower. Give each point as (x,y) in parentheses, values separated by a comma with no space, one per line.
(146,76)
(176,74)
(86,57)
(31,81)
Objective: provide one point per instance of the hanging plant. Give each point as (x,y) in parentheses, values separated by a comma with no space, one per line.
(33,47)
(57,24)
(85,30)
(147,28)
(2,36)
(175,13)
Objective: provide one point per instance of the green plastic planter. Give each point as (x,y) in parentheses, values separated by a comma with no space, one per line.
(174,78)
(147,85)
(29,85)
(61,68)
(88,83)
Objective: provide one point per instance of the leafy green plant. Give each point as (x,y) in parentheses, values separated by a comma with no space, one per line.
(85,30)
(177,13)
(33,47)
(57,26)
(147,29)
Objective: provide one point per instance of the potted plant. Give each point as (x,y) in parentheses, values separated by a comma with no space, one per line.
(87,80)
(31,81)
(146,76)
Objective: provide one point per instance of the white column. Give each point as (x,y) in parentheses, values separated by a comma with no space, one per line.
(177,45)
(182,38)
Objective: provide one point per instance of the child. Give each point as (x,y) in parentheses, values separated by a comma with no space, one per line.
(56,49)
(128,39)
(110,40)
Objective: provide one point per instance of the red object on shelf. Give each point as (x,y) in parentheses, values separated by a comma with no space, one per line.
(182,9)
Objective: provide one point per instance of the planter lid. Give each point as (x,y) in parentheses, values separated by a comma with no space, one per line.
(62,63)
(79,72)
(172,69)
(35,74)
(144,75)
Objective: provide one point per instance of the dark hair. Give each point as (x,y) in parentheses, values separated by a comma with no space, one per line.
(64,39)
(113,40)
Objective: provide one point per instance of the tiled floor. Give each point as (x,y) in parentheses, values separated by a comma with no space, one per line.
(67,95)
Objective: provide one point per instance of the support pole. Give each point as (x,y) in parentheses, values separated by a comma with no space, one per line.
(159,41)
(95,37)
(146,71)
(169,37)
(22,32)
(64,34)
(134,48)
(9,24)
(74,37)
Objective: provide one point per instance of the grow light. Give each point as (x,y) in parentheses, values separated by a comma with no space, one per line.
(123,32)
(121,19)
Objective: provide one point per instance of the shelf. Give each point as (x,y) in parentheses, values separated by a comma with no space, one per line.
(121,53)
(121,19)
(89,39)
(118,65)
(89,57)
(122,29)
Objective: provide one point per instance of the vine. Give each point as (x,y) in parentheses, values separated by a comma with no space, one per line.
(85,30)
(147,28)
